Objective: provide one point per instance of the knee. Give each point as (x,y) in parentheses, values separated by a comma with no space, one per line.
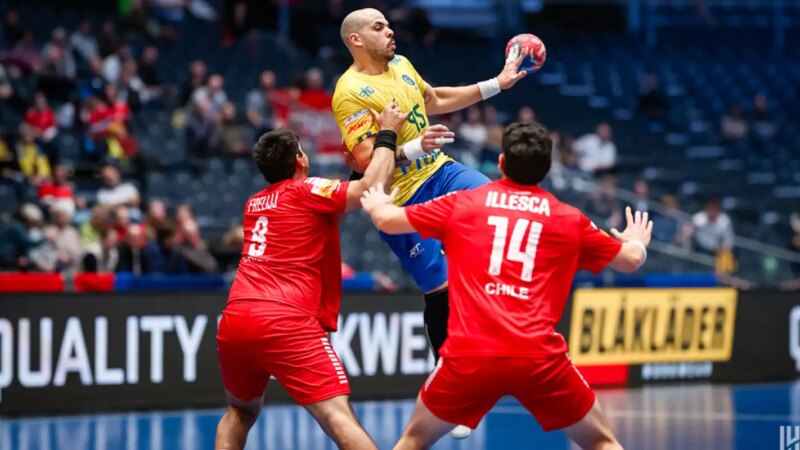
(609,445)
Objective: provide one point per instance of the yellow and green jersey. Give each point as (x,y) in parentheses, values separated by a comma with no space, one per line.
(357,93)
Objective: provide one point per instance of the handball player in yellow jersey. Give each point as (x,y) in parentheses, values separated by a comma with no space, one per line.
(377,77)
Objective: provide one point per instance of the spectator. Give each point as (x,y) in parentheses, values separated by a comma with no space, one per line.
(25,53)
(197,79)
(194,250)
(57,192)
(602,204)
(102,256)
(83,43)
(733,126)
(653,102)
(260,113)
(148,72)
(12,30)
(41,254)
(93,229)
(669,225)
(113,64)
(170,11)
(763,123)
(58,55)
(14,242)
(120,144)
(473,131)
(82,212)
(162,254)
(131,251)
(313,93)
(233,135)
(212,94)
(132,90)
(596,151)
(201,131)
(32,161)
(108,42)
(116,193)
(156,217)
(566,151)
(65,239)
(494,138)
(713,229)
(526,115)
(122,222)
(640,192)
(43,122)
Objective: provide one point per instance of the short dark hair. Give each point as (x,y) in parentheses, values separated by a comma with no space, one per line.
(275,154)
(527,148)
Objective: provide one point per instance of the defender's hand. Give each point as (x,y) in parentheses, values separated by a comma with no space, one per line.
(375,196)
(391,118)
(639,228)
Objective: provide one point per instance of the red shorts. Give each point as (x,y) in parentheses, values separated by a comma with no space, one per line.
(255,343)
(461,390)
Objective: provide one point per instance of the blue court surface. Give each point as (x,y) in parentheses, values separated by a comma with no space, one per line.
(689,417)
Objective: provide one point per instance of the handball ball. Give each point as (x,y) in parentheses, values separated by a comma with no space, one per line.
(532,47)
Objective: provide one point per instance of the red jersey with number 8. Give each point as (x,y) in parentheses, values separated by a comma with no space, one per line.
(512,253)
(291,253)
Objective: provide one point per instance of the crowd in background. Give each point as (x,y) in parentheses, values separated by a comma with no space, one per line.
(94,81)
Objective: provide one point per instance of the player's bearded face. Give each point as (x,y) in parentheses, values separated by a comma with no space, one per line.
(380,44)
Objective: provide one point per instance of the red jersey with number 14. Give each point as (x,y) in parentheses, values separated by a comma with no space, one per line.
(291,252)
(512,252)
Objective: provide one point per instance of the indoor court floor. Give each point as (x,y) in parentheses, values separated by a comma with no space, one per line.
(676,417)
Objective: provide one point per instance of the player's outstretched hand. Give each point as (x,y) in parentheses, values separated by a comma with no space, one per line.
(511,73)
(376,196)
(639,228)
(391,118)
(436,136)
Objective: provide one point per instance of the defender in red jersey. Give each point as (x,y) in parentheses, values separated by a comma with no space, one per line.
(512,250)
(286,293)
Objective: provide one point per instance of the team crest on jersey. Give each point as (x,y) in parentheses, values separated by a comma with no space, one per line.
(408,80)
(322,186)
(394,61)
(366,91)
(355,116)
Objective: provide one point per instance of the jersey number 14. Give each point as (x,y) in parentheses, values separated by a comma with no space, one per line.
(526,256)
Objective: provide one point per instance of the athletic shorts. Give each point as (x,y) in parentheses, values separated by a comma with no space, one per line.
(424,259)
(254,344)
(461,390)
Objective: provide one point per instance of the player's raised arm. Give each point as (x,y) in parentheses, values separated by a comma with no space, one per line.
(443,100)
(380,162)
(635,239)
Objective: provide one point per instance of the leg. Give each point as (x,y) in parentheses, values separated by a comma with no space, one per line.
(437,312)
(556,394)
(423,430)
(236,422)
(593,432)
(338,420)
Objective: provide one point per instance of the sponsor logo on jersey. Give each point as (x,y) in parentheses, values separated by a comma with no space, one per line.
(355,116)
(360,124)
(366,91)
(408,80)
(416,250)
(323,187)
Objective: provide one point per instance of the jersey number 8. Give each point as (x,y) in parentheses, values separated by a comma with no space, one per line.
(259,237)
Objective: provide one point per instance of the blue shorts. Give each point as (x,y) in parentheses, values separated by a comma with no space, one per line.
(424,258)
